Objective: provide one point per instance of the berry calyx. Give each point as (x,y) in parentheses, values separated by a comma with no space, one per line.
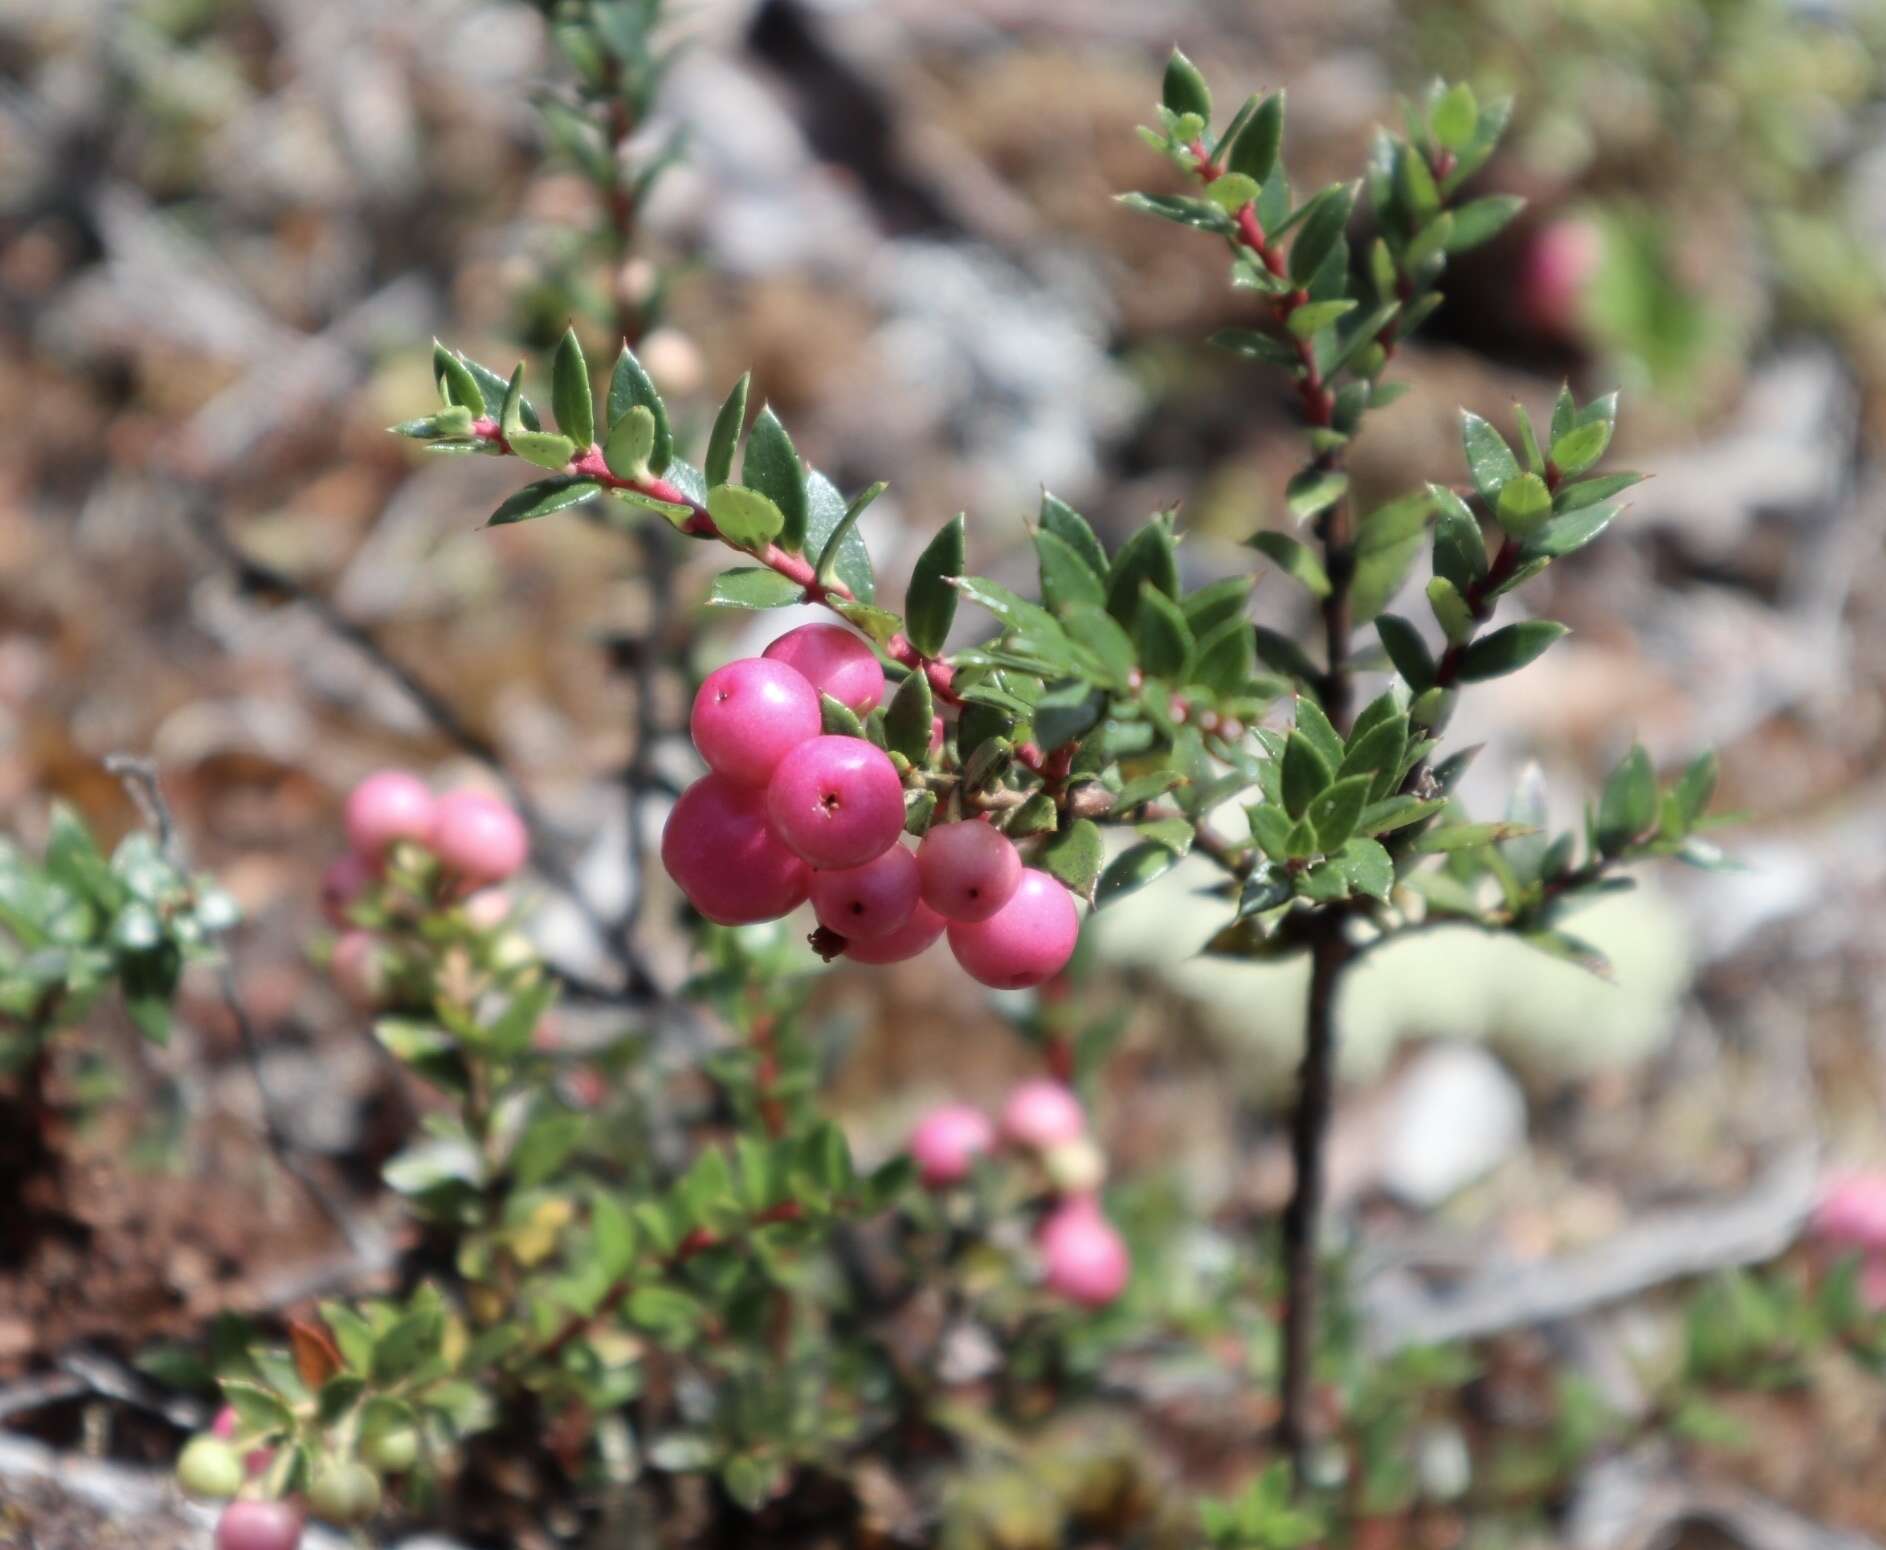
(1028,940)
(1084,1256)
(909,939)
(478,839)
(969,870)
(719,849)
(1042,1114)
(836,801)
(947,1142)
(258,1526)
(359,966)
(834,662)
(208,1466)
(867,903)
(749,715)
(345,880)
(385,809)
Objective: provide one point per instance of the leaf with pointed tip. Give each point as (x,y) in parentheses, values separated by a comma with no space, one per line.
(1201,213)
(725,438)
(1133,868)
(1323,221)
(773,468)
(754,586)
(458,384)
(1254,152)
(1296,560)
(1407,650)
(1314,490)
(832,552)
(1490,461)
(570,394)
(1068,525)
(1305,773)
(1578,449)
(1183,89)
(544,497)
(631,442)
(1066,578)
(930,604)
(630,385)
(1148,556)
(1628,804)
(910,718)
(1075,856)
(1508,649)
(746,518)
(825,510)
(1160,635)
(1335,810)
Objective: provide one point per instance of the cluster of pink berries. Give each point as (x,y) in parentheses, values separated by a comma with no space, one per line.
(1852,1215)
(789,812)
(477,840)
(1083,1257)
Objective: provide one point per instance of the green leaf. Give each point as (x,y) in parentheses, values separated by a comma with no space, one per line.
(630,385)
(832,553)
(1148,556)
(1628,805)
(1226,660)
(1305,773)
(837,719)
(1279,651)
(725,438)
(1305,321)
(1075,856)
(1095,630)
(1160,634)
(1184,89)
(1368,867)
(1481,220)
(1315,725)
(754,586)
(1314,490)
(1460,549)
(910,718)
(570,392)
(1067,711)
(1386,548)
(631,442)
(1294,559)
(1335,810)
(1407,650)
(1414,182)
(544,497)
(1066,578)
(1490,461)
(1508,649)
(1325,219)
(1200,213)
(1396,812)
(1450,610)
(1455,117)
(1132,869)
(1578,449)
(1467,836)
(746,518)
(1249,342)
(1590,492)
(1068,525)
(261,1415)
(825,511)
(511,420)
(1696,786)
(545,449)
(1568,534)
(1525,505)
(1254,152)
(772,467)
(458,384)
(1213,604)
(1232,191)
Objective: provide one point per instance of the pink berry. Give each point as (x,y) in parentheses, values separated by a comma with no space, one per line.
(948,1140)
(1852,1211)
(909,939)
(969,869)
(1560,264)
(478,839)
(258,1526)
(1027,941)
(385,809)
(359,967)
(749,715)
(835,662)
(837,801)
(718,847)
(865,903)
(1085,1257)
(1873,1282)
(1042,1114)
(345,880)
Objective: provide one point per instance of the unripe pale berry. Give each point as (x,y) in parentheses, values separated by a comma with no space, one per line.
(869,902)
(208,1466)
(394,1451)
(1076,1167)
(359,967)
(345,880)
(258,1526)
(837,801)
(1085,1258)
(719,849)
(969,869)
(345,1491)
(477,838)
(1028,940)
(385,809)
(1041,1114)
(909,939)
(835,662)
(947,1142)
(488,909)
(749,715)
